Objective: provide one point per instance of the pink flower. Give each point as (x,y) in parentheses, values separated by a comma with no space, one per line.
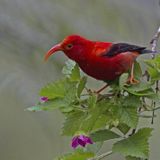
(44,99)
(81,140)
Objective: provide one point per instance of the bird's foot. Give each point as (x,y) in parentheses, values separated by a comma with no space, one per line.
(132,80)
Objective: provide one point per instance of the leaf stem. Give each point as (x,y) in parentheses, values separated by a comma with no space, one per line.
(101,156)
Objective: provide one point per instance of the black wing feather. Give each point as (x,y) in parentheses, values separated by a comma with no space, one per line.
(123,47)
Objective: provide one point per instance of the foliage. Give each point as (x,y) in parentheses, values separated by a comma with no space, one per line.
(135,145)
(77,155)
(103,117)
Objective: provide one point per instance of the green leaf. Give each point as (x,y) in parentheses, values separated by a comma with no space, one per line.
(123,128)
(87,120)
(137,70)
(35,108)
(90,119)
(95,147)
(122,80)
(128,115)
(93,115)
(155,97)
(148,92)
(135,145)
(125,109)
(77,155)
(54,89)
(69,66)
(63,92)
(102,121)
(141,89)
(71,70)
(92,101)
(154,73)
(81,85)
(75,76)
(72,123)
(103,135)
(49,105)
(153,68)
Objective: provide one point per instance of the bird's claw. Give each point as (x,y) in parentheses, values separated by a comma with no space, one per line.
(132,80)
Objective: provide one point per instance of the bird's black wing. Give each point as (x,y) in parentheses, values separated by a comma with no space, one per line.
(123,47)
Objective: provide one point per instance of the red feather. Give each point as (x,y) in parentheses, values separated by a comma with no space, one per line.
(92,56)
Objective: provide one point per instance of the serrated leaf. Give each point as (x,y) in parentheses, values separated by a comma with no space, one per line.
(135,145)
(72,123)
(103,135)
(80,156)
(137,70)
(95,147)
(54,89)
(126,110)
(102,121)
(75,75)
(35,108)
(71,70)
(122,80)
(90,119)
(69,66)
(123,128)
(141,89)
(155,97)
(46,106)
(92,101)
(153,68)
(77,155)
(140,86)
(93,115)
(154,73)
(148,92)
(62,92)
(81,85)
(85,120)
(128,115)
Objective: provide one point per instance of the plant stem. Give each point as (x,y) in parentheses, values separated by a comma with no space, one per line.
(154,41)
(101,156)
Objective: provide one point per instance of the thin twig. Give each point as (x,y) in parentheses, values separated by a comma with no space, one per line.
(154,42)
(101,156)
(156,108)
(133,131)
(146,116)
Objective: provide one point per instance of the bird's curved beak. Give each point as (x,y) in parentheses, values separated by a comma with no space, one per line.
(54,49)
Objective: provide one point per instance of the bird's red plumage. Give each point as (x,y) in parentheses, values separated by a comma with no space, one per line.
(89,55)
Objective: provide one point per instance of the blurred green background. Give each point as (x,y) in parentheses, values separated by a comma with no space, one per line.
(28,28)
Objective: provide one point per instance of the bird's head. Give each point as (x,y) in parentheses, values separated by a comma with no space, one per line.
(74,46)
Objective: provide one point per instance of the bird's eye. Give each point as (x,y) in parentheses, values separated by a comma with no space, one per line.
(69,46)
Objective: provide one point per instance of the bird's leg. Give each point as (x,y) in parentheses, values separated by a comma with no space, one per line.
(101,89)
(131,79)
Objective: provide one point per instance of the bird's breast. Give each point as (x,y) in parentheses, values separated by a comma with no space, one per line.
(104,68)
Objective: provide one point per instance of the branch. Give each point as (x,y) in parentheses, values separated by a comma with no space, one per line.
(154,42)
(101,156)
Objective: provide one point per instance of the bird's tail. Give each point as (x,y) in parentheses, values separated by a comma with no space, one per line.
(145,51)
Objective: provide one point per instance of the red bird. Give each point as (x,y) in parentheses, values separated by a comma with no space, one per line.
(101,60)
